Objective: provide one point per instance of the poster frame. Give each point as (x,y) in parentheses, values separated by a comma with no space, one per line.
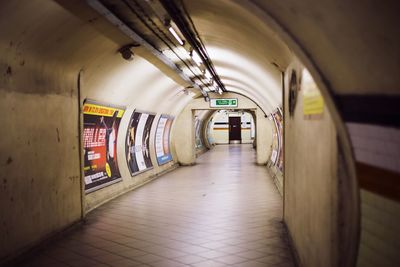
(169,138)
(198,125)
(133,174)
(116,180)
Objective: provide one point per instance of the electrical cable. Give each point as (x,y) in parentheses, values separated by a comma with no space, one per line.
(193,38)
(160,31)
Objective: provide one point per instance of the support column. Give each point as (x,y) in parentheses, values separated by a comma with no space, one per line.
(184,138)
(263,138)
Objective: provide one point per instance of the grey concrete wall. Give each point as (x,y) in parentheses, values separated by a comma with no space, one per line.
(310,183)
(39,151)
(264,138)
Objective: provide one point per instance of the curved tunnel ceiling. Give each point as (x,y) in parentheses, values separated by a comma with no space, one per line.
(247,55)
(82,41)
(352,45)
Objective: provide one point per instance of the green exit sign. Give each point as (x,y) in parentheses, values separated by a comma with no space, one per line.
(223,103)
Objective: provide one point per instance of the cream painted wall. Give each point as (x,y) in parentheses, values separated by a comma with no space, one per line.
(221,133)
(242,48)
(310,183)
(184,144)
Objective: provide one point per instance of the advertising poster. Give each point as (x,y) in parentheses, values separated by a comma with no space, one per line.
(197,129)
(275,144)
(100,131)
(279,127)
(274,155)
(209,135)
(163,152)
(138,142)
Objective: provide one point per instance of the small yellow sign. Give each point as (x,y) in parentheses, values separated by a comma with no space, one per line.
(313,102)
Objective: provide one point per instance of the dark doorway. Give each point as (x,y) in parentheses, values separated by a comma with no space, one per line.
(235,132)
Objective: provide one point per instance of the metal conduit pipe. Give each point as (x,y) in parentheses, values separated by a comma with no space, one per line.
(192,37)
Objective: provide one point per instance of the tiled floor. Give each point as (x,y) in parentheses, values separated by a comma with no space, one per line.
(224,211)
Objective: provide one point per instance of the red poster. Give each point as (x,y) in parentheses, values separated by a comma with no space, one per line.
(100,131)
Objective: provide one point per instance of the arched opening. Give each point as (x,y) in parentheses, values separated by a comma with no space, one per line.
(224,130)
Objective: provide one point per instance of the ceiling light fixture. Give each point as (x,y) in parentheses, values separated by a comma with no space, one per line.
(173,32)
(196,58)
(208,75)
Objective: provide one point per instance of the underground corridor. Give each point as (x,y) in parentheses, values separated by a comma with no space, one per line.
(199,133)
(228,215)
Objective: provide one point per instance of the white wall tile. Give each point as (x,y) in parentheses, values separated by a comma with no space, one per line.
(376,145)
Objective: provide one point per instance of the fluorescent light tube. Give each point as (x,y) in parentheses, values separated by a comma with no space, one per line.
(208,75)
(196,58)
(171,30)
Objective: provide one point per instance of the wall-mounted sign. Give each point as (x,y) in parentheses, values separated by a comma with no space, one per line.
(223,103)
(100,131)
(313,103)
(137,147)
(163,151)
(278,120)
